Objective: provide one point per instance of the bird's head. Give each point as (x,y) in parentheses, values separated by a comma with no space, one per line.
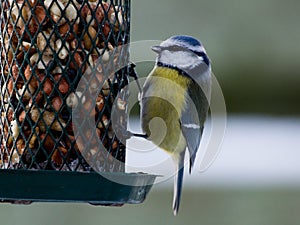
(183,52)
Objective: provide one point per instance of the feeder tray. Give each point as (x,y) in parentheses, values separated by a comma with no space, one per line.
(55,186)
(55,54)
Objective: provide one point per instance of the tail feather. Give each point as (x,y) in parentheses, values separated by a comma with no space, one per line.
(178,184)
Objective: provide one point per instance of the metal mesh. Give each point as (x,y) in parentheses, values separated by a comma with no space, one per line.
(46,47)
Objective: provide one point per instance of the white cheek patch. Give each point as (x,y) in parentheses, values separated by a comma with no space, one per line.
(180,59)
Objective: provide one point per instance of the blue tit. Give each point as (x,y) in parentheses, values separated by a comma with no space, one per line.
(175,101)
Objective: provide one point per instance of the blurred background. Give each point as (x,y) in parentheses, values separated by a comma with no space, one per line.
(253,45)
(254,48)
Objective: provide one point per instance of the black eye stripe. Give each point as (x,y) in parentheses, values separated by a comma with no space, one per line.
(173,48)
(178,48)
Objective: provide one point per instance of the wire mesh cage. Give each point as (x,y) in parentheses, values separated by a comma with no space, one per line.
(47,46)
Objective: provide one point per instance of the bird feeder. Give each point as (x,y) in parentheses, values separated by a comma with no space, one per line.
(47,47)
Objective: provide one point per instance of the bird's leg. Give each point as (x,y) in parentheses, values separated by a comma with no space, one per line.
(129,134)
(140,135)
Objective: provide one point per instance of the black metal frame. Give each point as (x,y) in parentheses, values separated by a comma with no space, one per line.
(45,103)
(45,51)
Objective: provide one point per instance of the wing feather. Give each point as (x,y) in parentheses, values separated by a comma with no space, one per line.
(195,112)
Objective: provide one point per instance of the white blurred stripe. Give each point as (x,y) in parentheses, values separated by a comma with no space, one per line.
(257,151)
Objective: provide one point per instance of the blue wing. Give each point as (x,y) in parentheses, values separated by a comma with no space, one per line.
(195,112)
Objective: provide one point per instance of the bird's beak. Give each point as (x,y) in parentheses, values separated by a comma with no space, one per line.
(156,49)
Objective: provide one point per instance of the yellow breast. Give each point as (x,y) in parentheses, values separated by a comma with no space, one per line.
(170,85)
(162,104)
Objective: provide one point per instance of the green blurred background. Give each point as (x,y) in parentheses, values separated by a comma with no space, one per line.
(254,46)
(207,207)
(255,51)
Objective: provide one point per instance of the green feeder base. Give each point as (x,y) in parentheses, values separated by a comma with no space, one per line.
(27,186)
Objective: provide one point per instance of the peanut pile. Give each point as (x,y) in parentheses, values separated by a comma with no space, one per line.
(46,46)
